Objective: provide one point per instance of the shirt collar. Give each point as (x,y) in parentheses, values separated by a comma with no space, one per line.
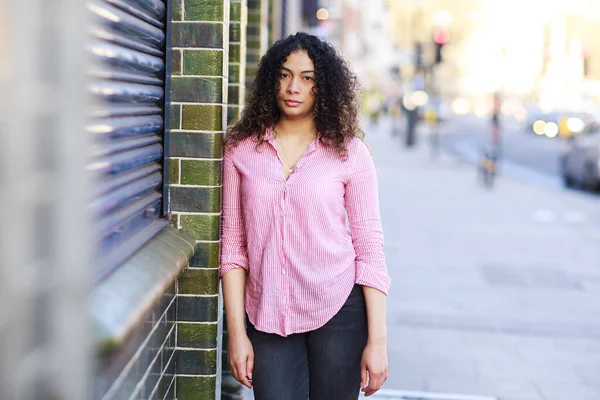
(269,134)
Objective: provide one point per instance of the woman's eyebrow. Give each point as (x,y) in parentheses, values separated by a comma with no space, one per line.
(303,72)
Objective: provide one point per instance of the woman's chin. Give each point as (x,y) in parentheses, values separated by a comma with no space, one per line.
(294,113)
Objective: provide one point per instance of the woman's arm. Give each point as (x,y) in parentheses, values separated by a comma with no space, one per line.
(234,284)
(239,349)
(233,269)
(362,203)
(376,315)
(374,361)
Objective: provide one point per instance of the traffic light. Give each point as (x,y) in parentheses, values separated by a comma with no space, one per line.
(440,38)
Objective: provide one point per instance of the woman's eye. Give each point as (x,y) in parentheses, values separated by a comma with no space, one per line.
(308,78)
(283,75)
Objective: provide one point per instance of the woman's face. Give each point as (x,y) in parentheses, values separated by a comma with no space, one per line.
(296,98)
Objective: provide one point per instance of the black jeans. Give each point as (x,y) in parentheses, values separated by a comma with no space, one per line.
(323,364)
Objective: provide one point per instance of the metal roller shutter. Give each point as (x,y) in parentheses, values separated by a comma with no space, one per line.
(127,45)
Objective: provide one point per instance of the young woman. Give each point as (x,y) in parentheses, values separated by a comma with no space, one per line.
(305,297)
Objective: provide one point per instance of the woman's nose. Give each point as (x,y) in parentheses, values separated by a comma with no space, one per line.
(294,86)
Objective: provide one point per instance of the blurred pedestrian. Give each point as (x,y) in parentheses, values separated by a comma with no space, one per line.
(305,297)
(496,132)
(412,113)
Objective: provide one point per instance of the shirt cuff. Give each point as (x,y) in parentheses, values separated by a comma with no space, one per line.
(225,268)
(232,261)
(376,278)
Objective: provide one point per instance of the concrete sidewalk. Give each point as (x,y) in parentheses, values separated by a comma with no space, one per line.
(494,292)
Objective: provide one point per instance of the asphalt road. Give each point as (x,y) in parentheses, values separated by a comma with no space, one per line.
(525,155)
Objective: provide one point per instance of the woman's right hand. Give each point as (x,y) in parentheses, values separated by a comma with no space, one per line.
(240,355)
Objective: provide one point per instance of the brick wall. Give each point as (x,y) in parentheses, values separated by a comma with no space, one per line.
(143,364)
(199,107)
(237,58)
(257,35)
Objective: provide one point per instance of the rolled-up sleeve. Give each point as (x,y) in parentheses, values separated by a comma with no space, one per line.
(362,203)
(234,253)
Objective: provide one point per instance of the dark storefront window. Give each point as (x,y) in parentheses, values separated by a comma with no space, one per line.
(127,45)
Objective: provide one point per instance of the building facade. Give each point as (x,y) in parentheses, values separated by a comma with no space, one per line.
(534,49)
(110,185)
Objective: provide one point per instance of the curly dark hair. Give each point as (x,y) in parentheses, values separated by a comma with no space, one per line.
(336,109)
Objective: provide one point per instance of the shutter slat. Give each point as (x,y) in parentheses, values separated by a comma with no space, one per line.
(155,8)
(126,126)
(121,110)
(127,24)
(119,58)
(116,251)
(145,14)
(120,162)
(125,178)
(127,80)
(124,92)
(111,74)
(114,146)
(132,211)
(102,32)
(125,194)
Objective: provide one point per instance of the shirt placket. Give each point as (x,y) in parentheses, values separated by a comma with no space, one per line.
(284,273)
(285,284)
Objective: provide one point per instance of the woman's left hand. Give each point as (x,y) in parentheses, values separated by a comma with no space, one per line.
(374,364)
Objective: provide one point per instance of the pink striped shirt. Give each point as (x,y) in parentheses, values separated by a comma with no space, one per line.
(292,237)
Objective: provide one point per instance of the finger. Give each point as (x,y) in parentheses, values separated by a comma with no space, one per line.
(374,383)
(373,387)
(233,370)
(250,366)
(237,371)
(243,379)
(363,375)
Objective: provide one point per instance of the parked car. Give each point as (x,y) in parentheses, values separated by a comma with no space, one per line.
(580,163)
(557,123)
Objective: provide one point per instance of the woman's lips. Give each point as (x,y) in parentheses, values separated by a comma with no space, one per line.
(292,103)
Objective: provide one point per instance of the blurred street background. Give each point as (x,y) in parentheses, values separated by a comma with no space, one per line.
(494,292)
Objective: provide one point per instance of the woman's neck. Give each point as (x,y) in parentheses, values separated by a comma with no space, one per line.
(303,129)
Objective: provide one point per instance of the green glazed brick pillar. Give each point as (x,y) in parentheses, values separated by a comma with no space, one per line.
(257,35)
(237,59)
(230,388)
(200,53)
